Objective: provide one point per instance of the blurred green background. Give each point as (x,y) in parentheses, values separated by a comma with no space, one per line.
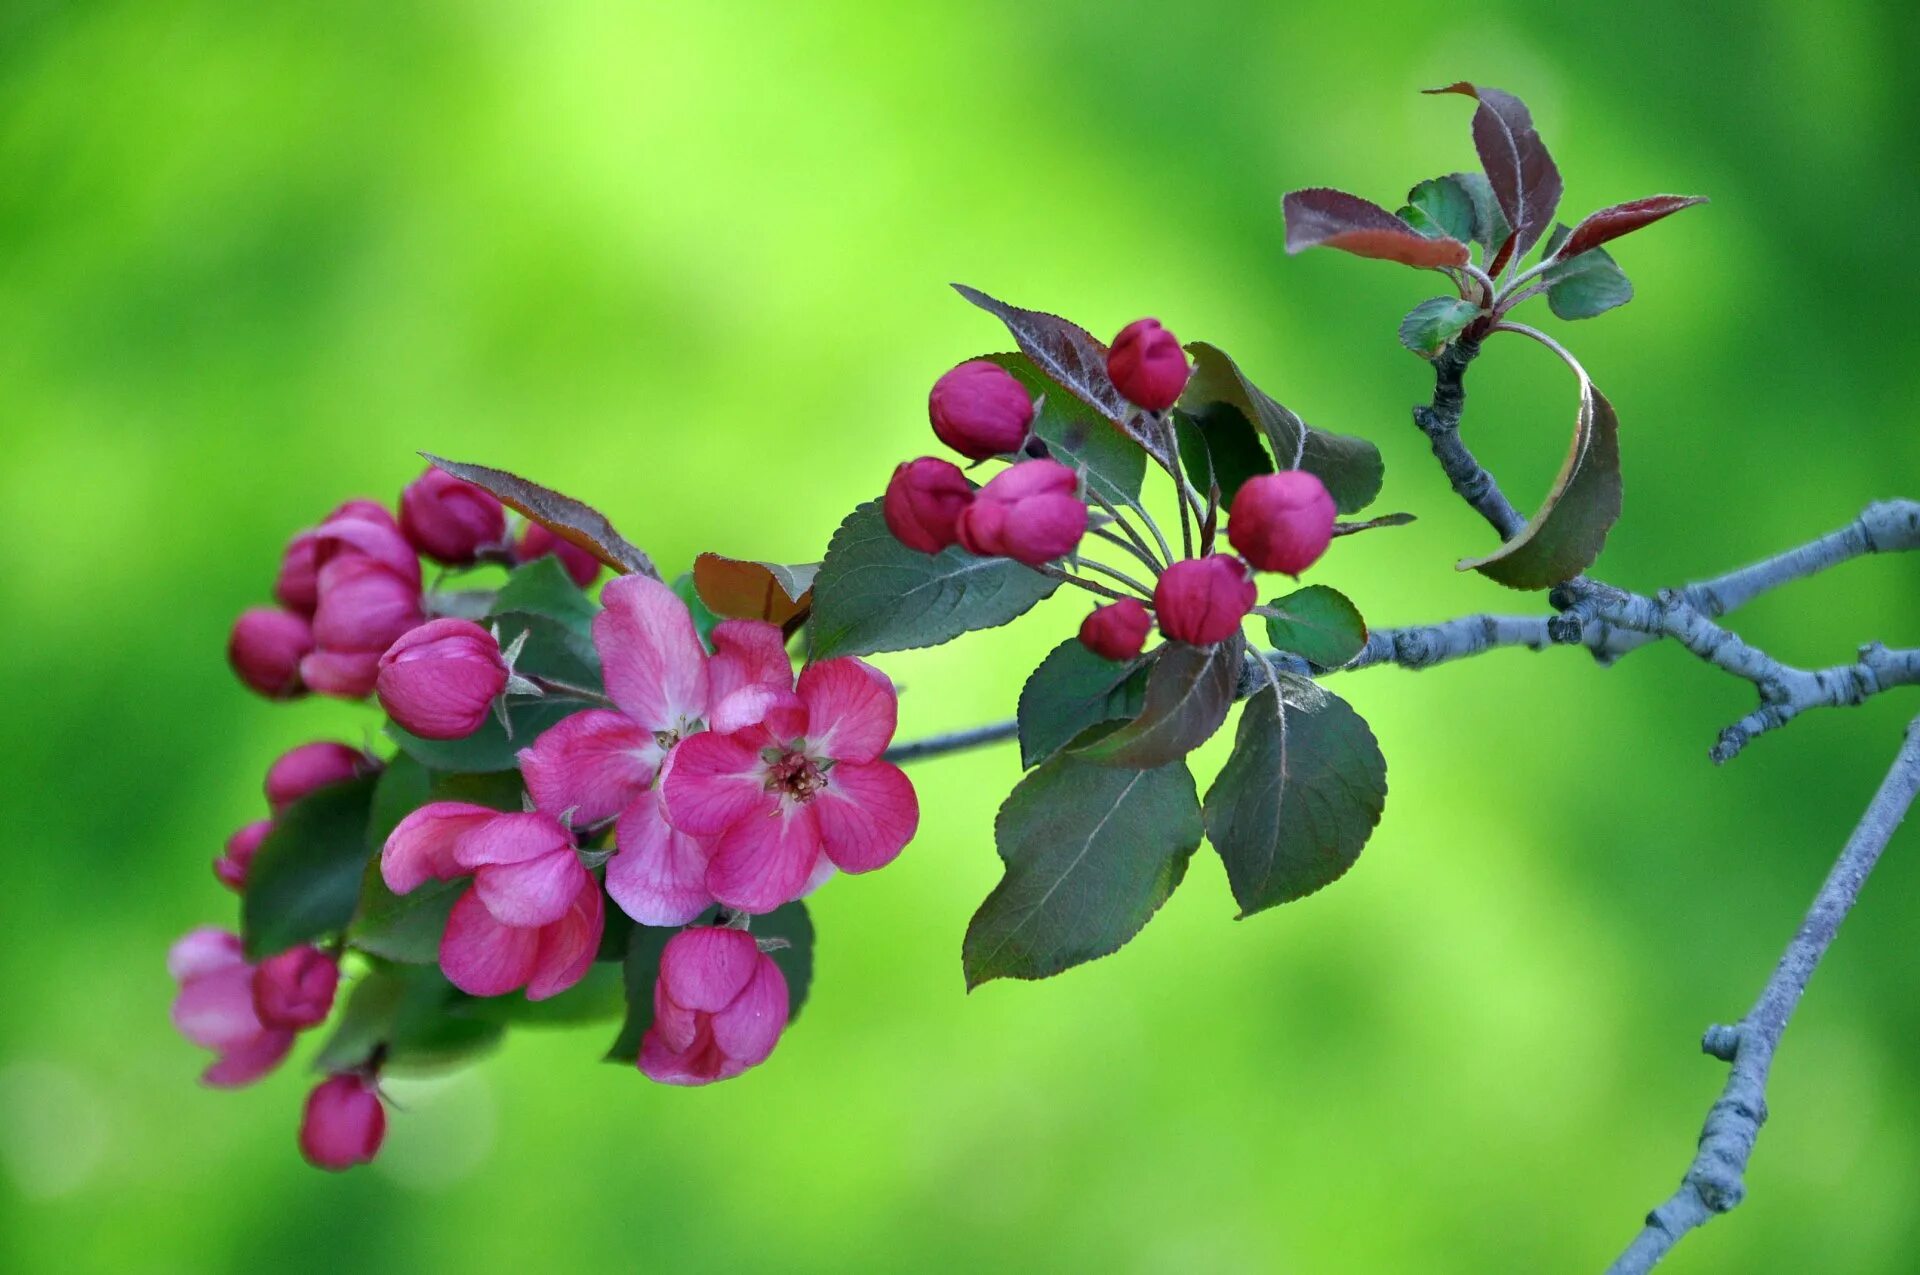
(689,262)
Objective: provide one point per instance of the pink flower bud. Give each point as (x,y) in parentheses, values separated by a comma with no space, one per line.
(294,990)
(302,770)
(357,535)
(266,648)
(718,1008)
(1202,600)
(439,680)
(232,866)
(1283,521)
(215,1009)
(980,410)
(296,588)
(924,501)
(449,520)
(364,607)
(343,1123)
(1148,365)
(1029,513)
(537,541)
(1117,630)
(365,509)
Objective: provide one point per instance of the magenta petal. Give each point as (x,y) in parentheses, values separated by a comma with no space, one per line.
(658,876)
(765,860)
(512,838)
(705,967)
(867,814)
(711,781)
(482,957)
(748,1029)
(591,763)
(568,946)
(748,653)
(250,1061)
(344,674)
(851,709)
(534,893)
(656,669)
(700,1063)
(215,1011)
(203,951)
(420,847)
(677,1026)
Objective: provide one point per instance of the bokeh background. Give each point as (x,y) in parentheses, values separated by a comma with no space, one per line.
(689,261)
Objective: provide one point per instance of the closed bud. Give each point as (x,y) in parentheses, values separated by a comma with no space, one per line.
(439,680)
(294,990)
(1147,365)
(1030,512)
(1202,600)
(359,534)
(364,607)
(719,1007)
(265,649)
(1117,630)
(343,1124)
(980,410)
(537,541)
(924,501)
(237,858)
(302,770)
(1282,522)
(297,587)
(449,520)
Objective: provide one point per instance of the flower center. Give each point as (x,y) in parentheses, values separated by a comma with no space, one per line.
(794,775)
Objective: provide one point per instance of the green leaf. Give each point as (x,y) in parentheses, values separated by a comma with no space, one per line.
(1433,323)
(1091,853)
(1079,436)
(489,748)
(1071,692)
(1490,228)
(305,880)
(1583,286)
(788,925)
(1350,467)
(703,618)
(552,650)
(543,587)
(413,1017)
(1219,444)
(1189,693)
(594,999)
(875,594)
(1319,625)
(1297,800)
(1442,206)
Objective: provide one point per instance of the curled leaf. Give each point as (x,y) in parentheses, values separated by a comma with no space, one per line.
(574,521)
(1622,219)
(1189,693)
(740,589)
(1320,217)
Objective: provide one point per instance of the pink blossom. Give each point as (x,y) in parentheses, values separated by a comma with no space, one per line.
(265,650)
(1117,630)
(980,410)
(718,1008)
(237,858)
(449,520)
(299,771)
(343,1122)
(364,606)
(1147,365)
(440,680)
(800,791)
(924,501)
(1029,512)
(1202,600)
(601,764)
(215,1009)
(533,915)
(1283,521)
(294,990)
(296,587)
(537,541)
(361,529)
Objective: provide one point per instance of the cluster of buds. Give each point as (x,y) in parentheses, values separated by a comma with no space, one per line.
(1036,510)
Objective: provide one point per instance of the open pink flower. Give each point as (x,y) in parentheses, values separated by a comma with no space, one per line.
(215,1009)
(533,915)
(601,764)
(799,792)
(718,1008)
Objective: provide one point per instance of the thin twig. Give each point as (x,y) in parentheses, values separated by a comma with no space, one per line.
(1066,577)
(953,741)
(1144,590)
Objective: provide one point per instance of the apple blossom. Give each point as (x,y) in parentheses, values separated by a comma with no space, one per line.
(1282,522)
(439,680)
(1147,365)
(980,410)
(719,1006)
(342,1123)
(1202,600)
(1029,512)
(215,1009)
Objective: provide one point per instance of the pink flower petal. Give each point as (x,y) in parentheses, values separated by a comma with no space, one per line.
(656,669)
(677,1026)
(748,653)
(534,893)
(765,860)
(591,763)
(249,1062)
(867,814)
(748,1029)
(568,946)
(482,957)
(215,1011)
(702,1062)
(704,967)
(203,951)
(345,674)
(711,781)
(516,837)
(420,847)
(658,875)
(851,709)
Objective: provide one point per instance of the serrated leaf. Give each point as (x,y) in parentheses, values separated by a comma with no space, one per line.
(1071,692)
(1318,624)
(1623,219)
(574,521)
(1091,853)
(406,1014)
(305,880)
(1351,468)
(489,748)
(875,594)
(1080,436)
(1298,799)
(1189,693)
(1433,323)
(1218,444)
(739,589)
(641,969)
(1446,206)
(1524,178)
(1069,356)
(1583,286)
(1566,535)
(1323,218)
